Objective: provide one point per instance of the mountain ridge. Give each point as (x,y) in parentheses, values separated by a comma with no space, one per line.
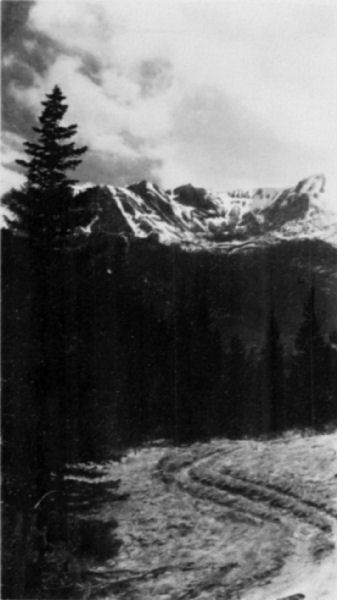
(199,219)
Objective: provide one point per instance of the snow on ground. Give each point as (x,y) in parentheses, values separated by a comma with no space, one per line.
(249,520)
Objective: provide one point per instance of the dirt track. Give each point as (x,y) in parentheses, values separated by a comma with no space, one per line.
(259,501)
(228,520)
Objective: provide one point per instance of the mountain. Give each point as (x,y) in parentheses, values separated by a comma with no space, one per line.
(258,248)
(199,219)
(248,251)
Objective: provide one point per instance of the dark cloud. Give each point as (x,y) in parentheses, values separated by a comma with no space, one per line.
(92,69)
(14,15)
(24,54)
(30,48)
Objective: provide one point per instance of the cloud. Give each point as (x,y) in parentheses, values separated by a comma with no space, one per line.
(11,149)
(212,91)
(10,179)
(226,145)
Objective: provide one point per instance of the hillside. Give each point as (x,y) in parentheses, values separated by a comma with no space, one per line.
(258,247)
(254,520)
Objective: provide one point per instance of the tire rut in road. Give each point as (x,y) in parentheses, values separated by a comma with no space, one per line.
(249,500)
(259,494)
(329,512)
(238,508)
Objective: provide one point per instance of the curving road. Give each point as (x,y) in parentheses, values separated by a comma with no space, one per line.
(309,573)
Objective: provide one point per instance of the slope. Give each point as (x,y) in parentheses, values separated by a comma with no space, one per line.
(245,519)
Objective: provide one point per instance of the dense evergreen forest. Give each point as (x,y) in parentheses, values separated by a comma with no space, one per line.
(96,359)
(112,367)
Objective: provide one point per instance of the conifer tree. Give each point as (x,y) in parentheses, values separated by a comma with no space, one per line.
(273,361)
(184,413)
(46,207)
(205,351)
(309,367)
(236,372)
(51,157)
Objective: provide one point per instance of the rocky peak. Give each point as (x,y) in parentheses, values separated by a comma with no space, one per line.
(196,218)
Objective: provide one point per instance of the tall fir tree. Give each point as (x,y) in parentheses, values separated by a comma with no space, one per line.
(309,369)
(235,385)
(46,207)
(206,357)
(46,211)
(183,401)
(274,374)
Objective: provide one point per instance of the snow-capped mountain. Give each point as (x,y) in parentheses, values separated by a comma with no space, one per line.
(197,218)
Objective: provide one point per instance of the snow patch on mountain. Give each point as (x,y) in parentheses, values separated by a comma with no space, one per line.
(197,218)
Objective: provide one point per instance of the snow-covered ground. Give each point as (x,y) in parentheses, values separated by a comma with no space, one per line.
(249,520)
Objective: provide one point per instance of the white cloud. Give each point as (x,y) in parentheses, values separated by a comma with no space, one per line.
(11,149)
(277,61)
(8,60)
(10,179)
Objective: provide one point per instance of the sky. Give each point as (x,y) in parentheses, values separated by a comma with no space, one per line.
(215,93)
